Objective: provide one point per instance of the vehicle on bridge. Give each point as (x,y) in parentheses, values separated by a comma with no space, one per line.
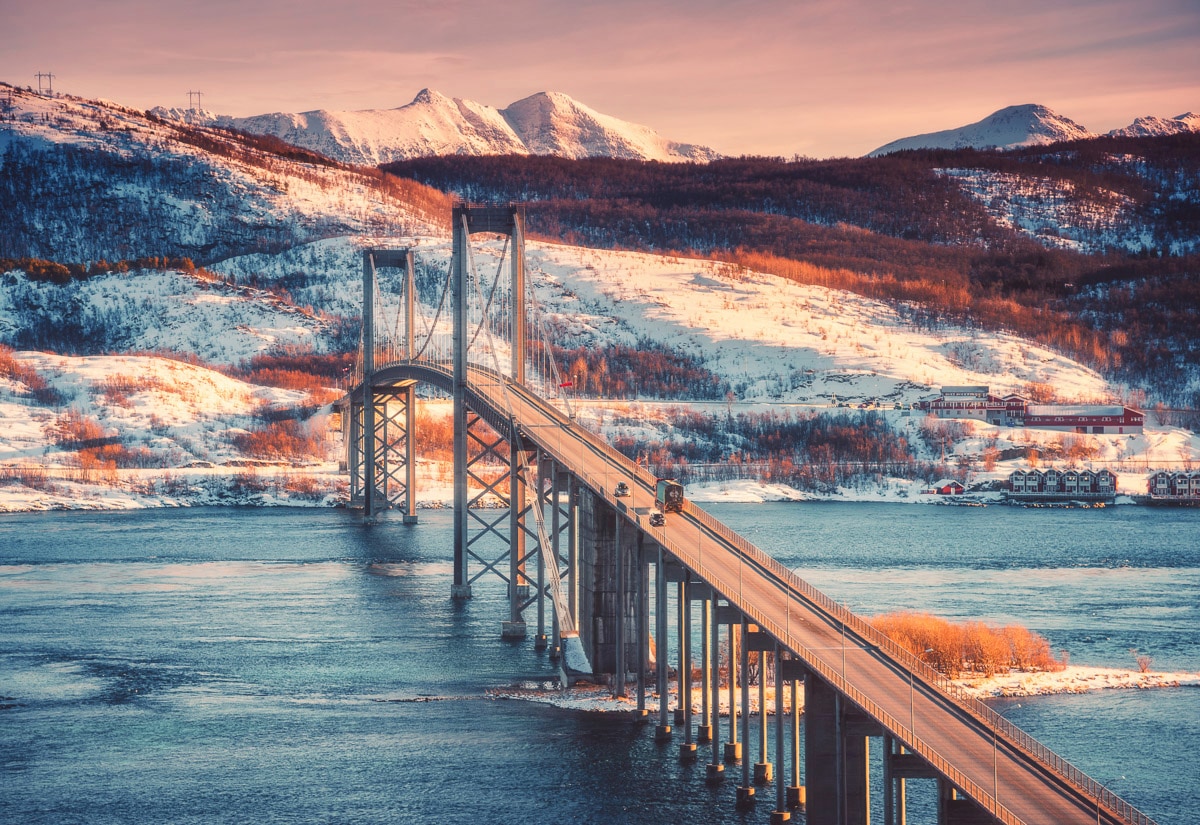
(621,490)
(668,495)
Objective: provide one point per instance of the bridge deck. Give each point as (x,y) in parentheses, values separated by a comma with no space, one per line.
(1008,773)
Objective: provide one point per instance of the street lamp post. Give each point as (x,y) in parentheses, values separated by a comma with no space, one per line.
(1103,791)
(912,718)
(996,756)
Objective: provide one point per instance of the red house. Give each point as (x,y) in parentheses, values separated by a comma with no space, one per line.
(948,487)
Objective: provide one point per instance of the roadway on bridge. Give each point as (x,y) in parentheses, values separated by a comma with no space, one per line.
(956,740)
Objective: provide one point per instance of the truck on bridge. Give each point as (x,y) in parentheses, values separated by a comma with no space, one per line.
(668,495)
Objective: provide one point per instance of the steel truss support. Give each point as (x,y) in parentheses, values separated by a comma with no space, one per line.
(378,423)
(383,467)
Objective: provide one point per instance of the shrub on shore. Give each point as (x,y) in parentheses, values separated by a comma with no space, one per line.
(967,647)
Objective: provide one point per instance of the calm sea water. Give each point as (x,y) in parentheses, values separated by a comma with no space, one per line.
(295,666)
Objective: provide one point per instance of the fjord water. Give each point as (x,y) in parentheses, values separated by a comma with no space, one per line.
(224,665)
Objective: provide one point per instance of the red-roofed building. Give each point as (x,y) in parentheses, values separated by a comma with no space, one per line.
(1014,411)
(1098,420)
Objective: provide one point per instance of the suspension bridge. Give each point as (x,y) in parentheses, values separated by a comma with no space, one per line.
(585,565)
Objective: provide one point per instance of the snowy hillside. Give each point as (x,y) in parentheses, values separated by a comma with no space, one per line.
(547,123)
(784,348)
(85,180)
(156,311)
(1055,214)
(1007,128)
(772,339)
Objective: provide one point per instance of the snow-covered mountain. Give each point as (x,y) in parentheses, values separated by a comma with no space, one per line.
(1033,125)
(551,123)
(1014,126)
(1150,126)
(547,123)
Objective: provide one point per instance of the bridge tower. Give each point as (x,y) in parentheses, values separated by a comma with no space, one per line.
(379,426)
(507,220)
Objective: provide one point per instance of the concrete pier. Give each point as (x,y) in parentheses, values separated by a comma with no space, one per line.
(687,748)
(745,791)
(733,748)
(603,595)
(662,733)
(716,768)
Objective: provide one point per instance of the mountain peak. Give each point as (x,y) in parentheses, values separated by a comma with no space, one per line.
(430,96)
(1022,125)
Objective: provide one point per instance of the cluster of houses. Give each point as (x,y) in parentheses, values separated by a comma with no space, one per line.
(1016,411)
(1178,485)
(1164,485)
(1065,483)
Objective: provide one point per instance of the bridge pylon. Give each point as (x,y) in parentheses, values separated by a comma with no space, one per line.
(379,426)
(508,220)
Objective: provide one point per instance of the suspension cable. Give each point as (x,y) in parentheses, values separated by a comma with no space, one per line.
(438,314)
(495,283)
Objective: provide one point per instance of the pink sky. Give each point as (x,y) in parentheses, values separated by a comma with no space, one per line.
(810,77)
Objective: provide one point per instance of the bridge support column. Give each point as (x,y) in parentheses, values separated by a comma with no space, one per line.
(704,730)
(461,589)
(763,770)
(716,768)
(368,451)
(794,671)
(822,753)
(352,427)
(555,548)
(761,644)
(573,549)
(642,618)
(410,454)
(856,750)
(745,791)
(955,808)
(620,669)
(836,757)
(687,750)
(599,601)
(661,649)
(543,470)
(733,748)
(781,813)
(893,786)
(518,584)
